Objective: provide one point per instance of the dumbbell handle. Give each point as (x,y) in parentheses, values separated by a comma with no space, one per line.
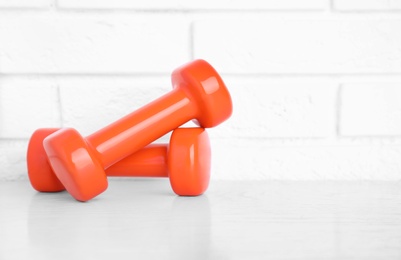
(150,161)
(141,127)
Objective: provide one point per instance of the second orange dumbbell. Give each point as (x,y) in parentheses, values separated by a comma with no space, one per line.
(185,161)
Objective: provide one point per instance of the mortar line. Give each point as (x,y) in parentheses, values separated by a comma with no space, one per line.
(191,41)
(338,110)
(59,106)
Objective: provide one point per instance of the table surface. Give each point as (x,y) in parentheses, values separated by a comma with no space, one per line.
(143,219)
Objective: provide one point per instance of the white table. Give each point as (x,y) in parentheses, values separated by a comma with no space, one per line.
(143,219)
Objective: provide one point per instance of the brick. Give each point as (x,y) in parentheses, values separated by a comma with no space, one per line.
(196,5)
(279,108)
(379,5)
(235,159)
(13,160)
(92,43)
(25,3)
(89,104)
(296,46)
(370,109)
(27,104)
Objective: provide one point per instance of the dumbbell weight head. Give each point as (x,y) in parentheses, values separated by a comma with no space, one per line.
(72,157)
(40,173)
(189,159)
(204,85)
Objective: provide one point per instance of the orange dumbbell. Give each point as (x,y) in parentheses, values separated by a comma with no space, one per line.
(185,161)
(198,93)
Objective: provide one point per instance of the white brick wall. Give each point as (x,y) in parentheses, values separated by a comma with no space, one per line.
(377,112)
(27,103)
(307,45)
(280,108)
(316,84)
(92,43)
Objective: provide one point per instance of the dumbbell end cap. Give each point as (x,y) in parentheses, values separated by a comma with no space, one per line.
(75,164)
(189,160)
(205,86)
(40,173)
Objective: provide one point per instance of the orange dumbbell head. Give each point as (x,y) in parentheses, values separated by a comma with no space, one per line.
(75,162)
(40,173)
(189,161)
(205,86)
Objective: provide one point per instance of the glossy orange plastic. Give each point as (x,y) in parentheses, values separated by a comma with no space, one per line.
(198,93)
(185,161)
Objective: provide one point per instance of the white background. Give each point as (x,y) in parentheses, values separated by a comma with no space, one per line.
(316,84)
